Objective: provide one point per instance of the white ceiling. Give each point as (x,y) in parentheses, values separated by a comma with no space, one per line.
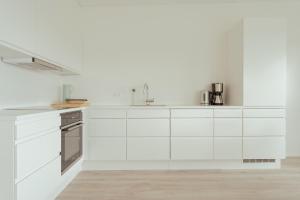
(137,2)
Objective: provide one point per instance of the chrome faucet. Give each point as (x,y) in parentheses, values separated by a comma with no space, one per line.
(148,101)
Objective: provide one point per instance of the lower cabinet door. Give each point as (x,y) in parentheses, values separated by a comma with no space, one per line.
(192,148)
(148,148)
(102,148)
(228,148)
(264,147)
(42,185)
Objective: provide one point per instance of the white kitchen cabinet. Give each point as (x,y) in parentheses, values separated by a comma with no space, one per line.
(264,61)
(42,184)
(148,127)
(148,113)
(191,113)
(107,127)
(264,127)
(18,23)
(228,113)
(107,114)
(228,148)
(228,127)
(148,148)
(103,148)
(33,154)
(192,127)
(192,148)
(264,147)
(264,113)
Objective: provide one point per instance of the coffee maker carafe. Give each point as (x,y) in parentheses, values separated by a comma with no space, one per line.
(217,92)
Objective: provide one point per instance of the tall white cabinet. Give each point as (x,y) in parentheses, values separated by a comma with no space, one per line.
(257,58)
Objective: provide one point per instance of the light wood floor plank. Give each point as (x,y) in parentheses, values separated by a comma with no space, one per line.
(283,184)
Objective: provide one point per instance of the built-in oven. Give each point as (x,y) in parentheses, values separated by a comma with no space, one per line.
(71,139)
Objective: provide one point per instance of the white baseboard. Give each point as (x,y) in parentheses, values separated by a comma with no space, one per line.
(176,165)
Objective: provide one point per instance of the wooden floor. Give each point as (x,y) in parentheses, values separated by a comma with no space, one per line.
(283,184)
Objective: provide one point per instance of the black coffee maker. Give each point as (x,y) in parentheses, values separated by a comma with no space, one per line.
(217,92)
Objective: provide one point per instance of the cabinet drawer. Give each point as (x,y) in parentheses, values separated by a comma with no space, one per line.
(107,127)
(107,113)
(280,113)
(28,128)
(148,148)
(148,127)
(35,153)
(223,113)
(148,113)
(264,148)
(192,148)
(264,127)
(228,148)
(191,113)
(42,184)
(228,127)
(192,127)
(107,148)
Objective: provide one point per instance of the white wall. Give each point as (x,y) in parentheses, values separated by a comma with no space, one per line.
(20,87)
(177,49)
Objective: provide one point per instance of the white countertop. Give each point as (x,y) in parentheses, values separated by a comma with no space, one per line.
(161,107)
(22,113)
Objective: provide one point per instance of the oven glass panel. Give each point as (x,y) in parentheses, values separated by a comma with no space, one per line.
(71,146)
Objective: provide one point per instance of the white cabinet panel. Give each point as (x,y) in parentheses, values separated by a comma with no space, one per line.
(107,127)
(191,113)
(228,127)
(228,148)
(148,127)
(42,184)
(37,126)
(107,148)
(192,148)
(148,113)
(106,113)
(264,61)
(148,148)
(264,113)
(264,147)
(264,127)
(223,113)
(35,153)
(192,127)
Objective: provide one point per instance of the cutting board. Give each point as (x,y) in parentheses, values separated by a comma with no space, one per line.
(69,105)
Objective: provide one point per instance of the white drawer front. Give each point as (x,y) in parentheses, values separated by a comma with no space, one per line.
(264,127)
(107,148)
(192,127)
(107,127)
(192,148)
(235,113)
(191,113)
(228,127)
(148,127)
(35,153)
(264,147)
(280,113)
(42,184)
(30,128)
(148,148)
(107,113)
(148,113)
(228,148)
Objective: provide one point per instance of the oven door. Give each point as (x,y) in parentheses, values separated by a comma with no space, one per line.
(71,146)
